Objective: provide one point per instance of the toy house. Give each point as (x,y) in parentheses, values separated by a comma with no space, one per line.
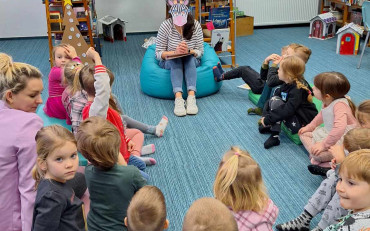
(348,41)
(113,28)
(323,26)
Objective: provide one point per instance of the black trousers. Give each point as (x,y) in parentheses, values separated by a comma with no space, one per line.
(250,77)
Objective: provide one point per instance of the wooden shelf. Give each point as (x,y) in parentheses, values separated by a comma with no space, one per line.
(345,12)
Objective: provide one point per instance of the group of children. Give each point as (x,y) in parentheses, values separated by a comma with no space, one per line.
(115,177)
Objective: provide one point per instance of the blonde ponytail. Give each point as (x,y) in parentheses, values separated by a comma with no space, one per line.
(303,86)
(37,175)
(14,75)
(71,75)
(239,183)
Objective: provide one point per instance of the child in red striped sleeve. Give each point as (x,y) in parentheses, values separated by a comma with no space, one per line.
(239,185)
(96,82)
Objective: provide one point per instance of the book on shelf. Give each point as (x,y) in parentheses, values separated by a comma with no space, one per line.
(79,11)
(57,26)
(220,39)
(220,17)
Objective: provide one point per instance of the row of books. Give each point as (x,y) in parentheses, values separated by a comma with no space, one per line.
(354,2)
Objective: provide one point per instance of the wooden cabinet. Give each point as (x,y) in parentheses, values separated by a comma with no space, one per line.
(55,19)
(346,9)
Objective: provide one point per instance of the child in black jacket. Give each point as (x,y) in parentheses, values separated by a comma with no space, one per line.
(291,103)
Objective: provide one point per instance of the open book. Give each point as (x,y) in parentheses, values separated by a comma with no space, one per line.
(245,86)
(175,56)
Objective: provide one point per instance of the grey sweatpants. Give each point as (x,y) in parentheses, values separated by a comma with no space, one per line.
(326,198)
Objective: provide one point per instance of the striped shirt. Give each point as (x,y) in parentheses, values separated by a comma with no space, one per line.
(168,39)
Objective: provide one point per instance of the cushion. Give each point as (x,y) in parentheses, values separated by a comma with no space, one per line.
(156,81)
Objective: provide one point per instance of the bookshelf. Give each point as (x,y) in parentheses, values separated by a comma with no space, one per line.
(85,13)
(202,12)
(345,9)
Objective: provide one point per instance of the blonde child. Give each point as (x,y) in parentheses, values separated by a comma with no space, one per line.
(74,100)
(56,205)
(239,185)
(337,115)
(96,82)
(325,198)
(111,185)
(147,211)
(62,54)
(353,189)
(209,214)
(363,114)
(291,103)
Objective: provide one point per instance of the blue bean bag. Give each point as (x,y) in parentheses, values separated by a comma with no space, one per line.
(156,82)
(51,121)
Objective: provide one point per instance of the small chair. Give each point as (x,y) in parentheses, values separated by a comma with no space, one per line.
(366,20)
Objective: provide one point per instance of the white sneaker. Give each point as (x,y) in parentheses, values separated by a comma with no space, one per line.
(179,107)
(191,105)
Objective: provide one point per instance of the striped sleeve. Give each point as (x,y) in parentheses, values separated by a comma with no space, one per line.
(100,69)
(198,38)
(162,39)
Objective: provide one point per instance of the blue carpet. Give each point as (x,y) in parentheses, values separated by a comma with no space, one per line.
(189,153)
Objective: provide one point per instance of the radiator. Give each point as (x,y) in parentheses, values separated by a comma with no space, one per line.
(278,12)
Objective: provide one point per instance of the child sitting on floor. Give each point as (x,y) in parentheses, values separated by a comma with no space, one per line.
(353,189)
(239,185)
(209,214)
(111,185)
(147,211)
(291,103)
(62,54)
(337,114)
(96,82)
(74,100)
(325,198)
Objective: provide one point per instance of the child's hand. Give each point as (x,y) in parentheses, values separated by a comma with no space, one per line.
(70,51)
(263,121)
(130,146)
(278,60)
(317,148)
(302,130)
(333,164)
(271,57)
(92,54)
(338,153)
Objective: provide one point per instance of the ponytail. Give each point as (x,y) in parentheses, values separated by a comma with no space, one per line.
(37,175)
(303,86)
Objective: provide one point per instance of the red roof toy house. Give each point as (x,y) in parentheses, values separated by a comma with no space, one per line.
(113,28)
(323,26)
(349,39)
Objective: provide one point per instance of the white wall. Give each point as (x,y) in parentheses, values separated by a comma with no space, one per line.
(26,18)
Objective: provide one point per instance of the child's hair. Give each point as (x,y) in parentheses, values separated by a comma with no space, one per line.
(209,214)
(284,49)
(301,51)
(239,182)
(294,68)
(357,165)
(357,138)
(334,84)
(48,139)
(87,80)
(147,210)
(71,72)
(98,140)
(14,76)
(363,112)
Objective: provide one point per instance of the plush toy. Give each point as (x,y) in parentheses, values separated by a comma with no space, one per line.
(179,11)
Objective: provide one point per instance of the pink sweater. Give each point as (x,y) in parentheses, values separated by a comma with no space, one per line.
(54,106)
(342,118)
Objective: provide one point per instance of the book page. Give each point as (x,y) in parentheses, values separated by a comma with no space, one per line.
(168,57)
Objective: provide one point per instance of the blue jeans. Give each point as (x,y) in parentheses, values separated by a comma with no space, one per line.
(180,67)
(140,164)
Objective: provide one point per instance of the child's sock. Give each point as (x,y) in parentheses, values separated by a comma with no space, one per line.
(161,126)
(273,140)
(147,149)
(217,74)
(148,161)
(256,110)
(317,228)
(301,223)
(219,66)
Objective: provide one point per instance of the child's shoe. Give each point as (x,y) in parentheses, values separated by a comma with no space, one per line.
(317,170)
(148,161)
(179,107)
(255,111)
(191,105)
(159,129)
(273,140)
(219,66)
(147,149)
(264,130)
(217,74)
